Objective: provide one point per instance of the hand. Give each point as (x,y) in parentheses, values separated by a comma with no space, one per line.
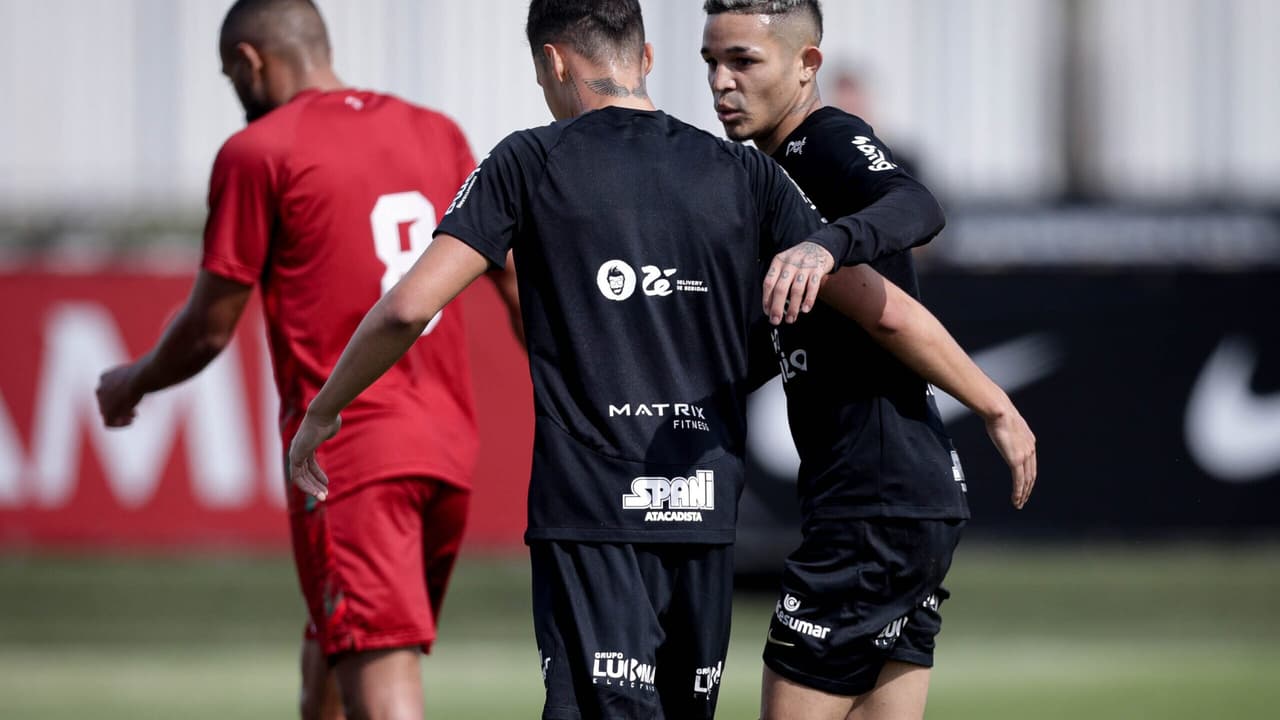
(304,471)
(791,285)
(117,397)
(1017,445)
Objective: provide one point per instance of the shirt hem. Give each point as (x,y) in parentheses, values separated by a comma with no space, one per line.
(618,535)
(910,512)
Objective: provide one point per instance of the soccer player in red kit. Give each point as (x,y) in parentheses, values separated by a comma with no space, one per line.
(325,200)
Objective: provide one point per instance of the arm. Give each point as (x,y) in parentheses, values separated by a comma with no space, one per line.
(909,331)
(192,340)
(504,279)
(903,215)
(386,333)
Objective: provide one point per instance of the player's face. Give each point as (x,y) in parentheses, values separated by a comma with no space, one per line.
(249,82)
(754,75)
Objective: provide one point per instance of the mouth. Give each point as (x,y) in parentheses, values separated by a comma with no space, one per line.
(727,114)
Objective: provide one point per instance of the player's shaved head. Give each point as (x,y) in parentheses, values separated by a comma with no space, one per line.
(797,22)
(287,28)
(599,30)
(272,50)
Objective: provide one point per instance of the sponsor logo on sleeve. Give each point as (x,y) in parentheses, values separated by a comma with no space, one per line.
(875,156)
(464,192)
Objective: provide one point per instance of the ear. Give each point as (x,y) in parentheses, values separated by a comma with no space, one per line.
(810,62)
(555,62)
(250,54)
(646,59)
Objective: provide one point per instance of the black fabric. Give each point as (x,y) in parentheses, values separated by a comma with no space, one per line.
(631,631)
(870,440)
(638,240)
(858,593)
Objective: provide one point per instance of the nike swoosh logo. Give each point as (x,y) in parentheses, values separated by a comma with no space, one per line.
(1013,365)
(775,641)
(1232,432)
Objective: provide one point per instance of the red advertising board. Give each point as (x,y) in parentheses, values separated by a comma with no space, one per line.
(202,465)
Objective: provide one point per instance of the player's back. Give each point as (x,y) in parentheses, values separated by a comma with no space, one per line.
(637,239)
(354,181)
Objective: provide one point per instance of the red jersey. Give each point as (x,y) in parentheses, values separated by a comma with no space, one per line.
(326,201)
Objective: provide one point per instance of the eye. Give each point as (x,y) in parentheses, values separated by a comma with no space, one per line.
(711,62)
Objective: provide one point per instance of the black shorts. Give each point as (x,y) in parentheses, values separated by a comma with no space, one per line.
(856,594)
(631,631)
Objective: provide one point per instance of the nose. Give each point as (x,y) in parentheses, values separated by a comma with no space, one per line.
(720,78)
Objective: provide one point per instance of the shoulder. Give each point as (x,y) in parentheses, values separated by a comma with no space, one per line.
(267,139)
(426,116)
(831,127)
(533,144)
(257,146)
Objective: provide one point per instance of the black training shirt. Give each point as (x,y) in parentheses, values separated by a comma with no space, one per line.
(637,239)
(870,440)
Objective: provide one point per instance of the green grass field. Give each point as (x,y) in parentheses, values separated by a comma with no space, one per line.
(1162,631)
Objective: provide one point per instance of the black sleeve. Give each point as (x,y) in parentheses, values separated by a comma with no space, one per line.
(489,209)
(787,216)
(898,213)
(762,356)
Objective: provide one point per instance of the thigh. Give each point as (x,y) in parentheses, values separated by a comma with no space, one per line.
(368,590)
(919,635)
(597,629)
(901,693)
(696,625)
(444,520)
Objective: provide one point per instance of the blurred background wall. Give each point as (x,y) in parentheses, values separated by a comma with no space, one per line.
(117,105)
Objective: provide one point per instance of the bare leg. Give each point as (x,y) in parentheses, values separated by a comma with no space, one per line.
(900,694)
(382,684)
(320,697)
(782,699)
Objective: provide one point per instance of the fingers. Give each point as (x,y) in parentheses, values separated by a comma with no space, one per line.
(1024,478)
(309,478)
(1019,482)
(796,295)
(812,287)
(119,420)
(789,291)
(770,281)
(1031,476)
(776,300)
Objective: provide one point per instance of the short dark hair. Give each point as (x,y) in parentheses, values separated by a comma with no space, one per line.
(596,29)
(811,8)
(266,22)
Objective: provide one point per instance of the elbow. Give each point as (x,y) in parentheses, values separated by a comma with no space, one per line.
(397,312)
(210,344)
(937,219)
(894,319)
